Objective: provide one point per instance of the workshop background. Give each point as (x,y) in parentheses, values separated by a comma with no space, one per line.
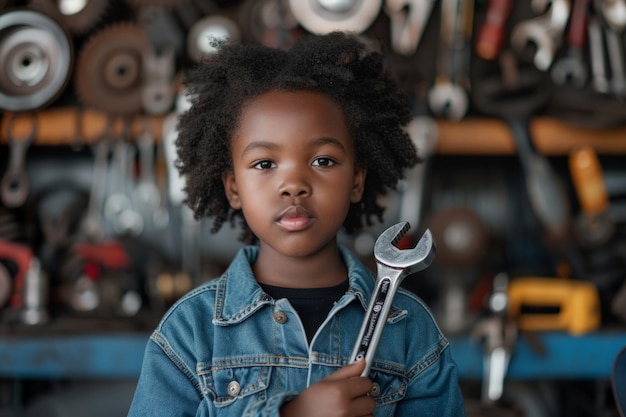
(520,121)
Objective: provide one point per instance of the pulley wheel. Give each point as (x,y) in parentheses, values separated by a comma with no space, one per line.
(36,57)
(324,16)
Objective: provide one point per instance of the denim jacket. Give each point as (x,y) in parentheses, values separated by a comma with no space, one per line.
(229,349)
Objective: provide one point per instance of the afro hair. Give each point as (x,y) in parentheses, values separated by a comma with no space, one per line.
(345,67)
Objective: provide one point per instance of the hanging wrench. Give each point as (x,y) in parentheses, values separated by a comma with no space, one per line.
(408,20)
(490,36)
(392,266)
(15,181)
(448,97)
(596,52)
(545,31)
(613,12)
(572,68)
(614,15)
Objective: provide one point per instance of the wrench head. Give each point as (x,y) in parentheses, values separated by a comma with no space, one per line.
(410,260)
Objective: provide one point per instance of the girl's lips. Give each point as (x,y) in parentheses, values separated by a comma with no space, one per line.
(295,218)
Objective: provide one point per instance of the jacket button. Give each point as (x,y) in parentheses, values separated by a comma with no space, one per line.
(375,391)
(280,317)
(233,388)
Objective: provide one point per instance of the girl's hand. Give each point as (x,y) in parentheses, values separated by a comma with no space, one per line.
(341,394)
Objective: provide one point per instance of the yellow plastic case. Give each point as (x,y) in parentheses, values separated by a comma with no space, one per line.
(575,304)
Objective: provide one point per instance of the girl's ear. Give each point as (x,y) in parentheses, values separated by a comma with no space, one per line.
(360,172)
(230,187)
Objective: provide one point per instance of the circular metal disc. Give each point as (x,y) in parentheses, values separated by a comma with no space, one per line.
(36,57)
(205,31)
(109,69)
(324,16)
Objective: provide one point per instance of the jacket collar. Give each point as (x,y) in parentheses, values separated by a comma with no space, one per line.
(238,295)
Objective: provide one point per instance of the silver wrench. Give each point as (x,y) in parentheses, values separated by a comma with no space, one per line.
(596,52)
(572,67)
(408,21)
(392,265)
(14,185)
(545,31)
(448,96)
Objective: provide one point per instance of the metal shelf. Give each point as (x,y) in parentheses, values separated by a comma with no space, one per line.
(103,356)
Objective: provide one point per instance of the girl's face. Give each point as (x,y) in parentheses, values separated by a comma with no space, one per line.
(294,173)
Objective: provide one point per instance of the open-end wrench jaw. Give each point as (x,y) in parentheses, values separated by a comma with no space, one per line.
(393,265)
(410,260)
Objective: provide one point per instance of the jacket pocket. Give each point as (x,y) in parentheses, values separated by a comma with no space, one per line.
(388,387)
(225,386)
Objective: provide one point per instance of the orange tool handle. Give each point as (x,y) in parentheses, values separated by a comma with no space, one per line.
(588,181)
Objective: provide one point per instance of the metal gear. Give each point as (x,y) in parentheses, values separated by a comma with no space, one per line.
(109,69)
(77,16)
(36,57)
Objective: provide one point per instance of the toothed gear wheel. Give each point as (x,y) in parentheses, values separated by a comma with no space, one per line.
(110,67)
(77,16)
(36,57)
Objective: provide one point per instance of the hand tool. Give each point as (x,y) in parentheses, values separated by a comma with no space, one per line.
(158,86)
(393,265)
(30,284)
(425,135)
(490,36)
(594,225)
(91,227)
(545,191)
(572,68)
(545,31)
(448,96)
(147,194)
(499,334)
(616,61)
(597,56)
(408,18)
(14,185)
(613,12)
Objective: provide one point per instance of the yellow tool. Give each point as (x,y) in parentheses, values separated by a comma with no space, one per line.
(554,304)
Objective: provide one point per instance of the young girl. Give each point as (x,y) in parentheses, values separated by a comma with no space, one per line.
(293,145)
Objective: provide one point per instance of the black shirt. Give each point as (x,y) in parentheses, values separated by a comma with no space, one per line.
(311,304)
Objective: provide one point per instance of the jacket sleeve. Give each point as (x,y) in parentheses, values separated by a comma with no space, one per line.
(434,392)
(166,388)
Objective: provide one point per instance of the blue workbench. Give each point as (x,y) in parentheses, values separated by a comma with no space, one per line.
(119,356)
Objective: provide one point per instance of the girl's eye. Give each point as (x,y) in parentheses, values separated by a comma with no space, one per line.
(264,165)
(323,162)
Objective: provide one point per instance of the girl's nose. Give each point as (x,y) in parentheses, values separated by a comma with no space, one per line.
(295,185)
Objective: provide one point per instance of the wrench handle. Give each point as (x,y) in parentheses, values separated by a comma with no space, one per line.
(577,30)
(374,322)
(490,37)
